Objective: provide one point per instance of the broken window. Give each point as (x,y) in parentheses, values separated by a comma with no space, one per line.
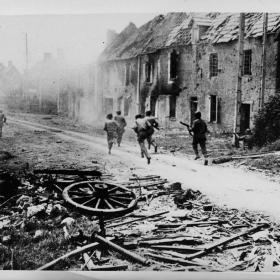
(148,72)
(247,62)
(172,106)
(173,65)
(213,64)
(127,74)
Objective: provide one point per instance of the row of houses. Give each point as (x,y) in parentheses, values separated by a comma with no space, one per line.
(51,86)
(179,63)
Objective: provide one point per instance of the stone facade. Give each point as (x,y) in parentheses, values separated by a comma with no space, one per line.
(175,81)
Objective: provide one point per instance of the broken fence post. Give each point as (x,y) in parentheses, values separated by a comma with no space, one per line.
(220,243)
(70,254)
(121,250)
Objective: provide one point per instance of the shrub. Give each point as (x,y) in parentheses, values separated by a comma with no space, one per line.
(267,122)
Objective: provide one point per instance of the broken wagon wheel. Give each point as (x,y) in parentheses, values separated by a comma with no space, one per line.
(99,198)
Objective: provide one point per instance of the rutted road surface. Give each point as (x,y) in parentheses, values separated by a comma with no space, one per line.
(228,186)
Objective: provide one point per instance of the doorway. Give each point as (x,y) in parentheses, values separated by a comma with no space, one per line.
(244,117)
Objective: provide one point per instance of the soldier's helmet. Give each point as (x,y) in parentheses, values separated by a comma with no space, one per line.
(197,114)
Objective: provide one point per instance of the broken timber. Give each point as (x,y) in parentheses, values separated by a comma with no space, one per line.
(185,249)
(171,260)
(191,224)
(94,173)
(136,220)
(121,250)
(220,243)
(72,253)
(166,241)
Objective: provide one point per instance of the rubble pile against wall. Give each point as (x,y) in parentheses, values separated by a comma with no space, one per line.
(172,229)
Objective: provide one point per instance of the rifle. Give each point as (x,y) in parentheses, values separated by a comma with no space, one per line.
(188,127)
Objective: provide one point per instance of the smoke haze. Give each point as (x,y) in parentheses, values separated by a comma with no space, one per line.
(80,38)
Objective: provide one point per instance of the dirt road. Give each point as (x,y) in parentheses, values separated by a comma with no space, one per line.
(228,186)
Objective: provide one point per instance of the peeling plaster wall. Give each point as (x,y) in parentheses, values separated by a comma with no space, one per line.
(224,84)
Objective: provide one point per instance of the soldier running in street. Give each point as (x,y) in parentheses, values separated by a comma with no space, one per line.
(141,128)
(154,124)
(111,127)
(121,125)
(199,129)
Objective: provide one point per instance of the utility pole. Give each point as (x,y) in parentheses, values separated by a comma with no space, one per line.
(26,100)
(26,52)
(239,77)
(262,91)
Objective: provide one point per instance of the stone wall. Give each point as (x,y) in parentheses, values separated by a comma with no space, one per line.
(193,82)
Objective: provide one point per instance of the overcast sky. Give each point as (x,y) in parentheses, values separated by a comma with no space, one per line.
(78,27)
(80,37)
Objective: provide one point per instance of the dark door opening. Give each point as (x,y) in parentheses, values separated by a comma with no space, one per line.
(244,117)
(193,107)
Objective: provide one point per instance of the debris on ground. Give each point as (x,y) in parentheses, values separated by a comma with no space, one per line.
(172,228)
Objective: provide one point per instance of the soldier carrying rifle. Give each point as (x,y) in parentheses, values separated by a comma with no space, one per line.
(198,132)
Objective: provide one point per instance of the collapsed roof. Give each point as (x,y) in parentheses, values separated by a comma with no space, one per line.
(159,33)
(225,27)
(174,29)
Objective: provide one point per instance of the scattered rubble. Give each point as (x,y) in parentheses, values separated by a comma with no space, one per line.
(172,228)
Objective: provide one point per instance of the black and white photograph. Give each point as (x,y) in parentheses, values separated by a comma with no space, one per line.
(140,137)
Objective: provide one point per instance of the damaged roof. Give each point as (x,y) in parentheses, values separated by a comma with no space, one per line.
(174,29)
(225,26)
(161,32)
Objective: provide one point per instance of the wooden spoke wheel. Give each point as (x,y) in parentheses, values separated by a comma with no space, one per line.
(99,198)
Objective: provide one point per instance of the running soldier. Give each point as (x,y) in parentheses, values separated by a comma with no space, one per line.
(122,124)
(2,121)
(199,129)
(141,128)
(154,124)
(111,127)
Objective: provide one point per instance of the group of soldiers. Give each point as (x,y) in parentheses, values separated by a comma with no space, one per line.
(115,128)
(145,127)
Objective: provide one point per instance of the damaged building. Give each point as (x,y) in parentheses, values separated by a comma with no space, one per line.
(53,87)
(179,63)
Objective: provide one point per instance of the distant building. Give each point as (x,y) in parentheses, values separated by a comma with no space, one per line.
(52,87)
